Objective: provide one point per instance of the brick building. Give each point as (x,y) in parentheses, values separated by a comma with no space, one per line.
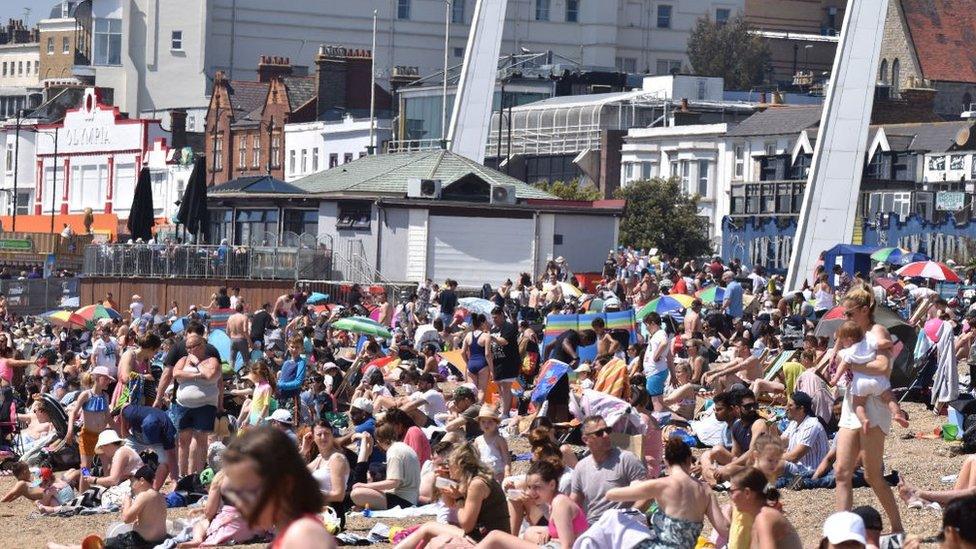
(65,42)
(245,119)
(931,41)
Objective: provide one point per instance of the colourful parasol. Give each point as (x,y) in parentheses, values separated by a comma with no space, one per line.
(63,318)
(665,304)
(711,294)
(92,313)
(929,269)
(362,325)
(897,256)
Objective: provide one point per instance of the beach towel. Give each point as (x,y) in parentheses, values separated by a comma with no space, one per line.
(612,379)
(552,371)
(619,320)
(945,384)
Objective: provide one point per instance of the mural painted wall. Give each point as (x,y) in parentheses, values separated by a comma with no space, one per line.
(769,242)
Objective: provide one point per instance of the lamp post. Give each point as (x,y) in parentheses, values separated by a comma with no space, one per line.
(372,91)
(54,185)
(447,38)
(20,114)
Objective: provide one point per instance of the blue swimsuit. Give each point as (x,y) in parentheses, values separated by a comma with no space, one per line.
(476,360)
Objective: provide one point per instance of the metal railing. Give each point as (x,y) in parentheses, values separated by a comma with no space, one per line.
(191,261)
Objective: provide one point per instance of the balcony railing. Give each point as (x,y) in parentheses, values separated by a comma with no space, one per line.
(190,261)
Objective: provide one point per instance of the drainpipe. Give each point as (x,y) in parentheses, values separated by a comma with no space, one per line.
(380,222)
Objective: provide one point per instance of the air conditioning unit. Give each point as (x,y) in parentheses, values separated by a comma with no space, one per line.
(423,188)
(503,194)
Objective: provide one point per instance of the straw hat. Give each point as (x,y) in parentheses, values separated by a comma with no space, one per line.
(102,371)
(489,412)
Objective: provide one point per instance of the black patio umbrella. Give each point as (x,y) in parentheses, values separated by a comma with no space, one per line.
(193,213)
(141,215)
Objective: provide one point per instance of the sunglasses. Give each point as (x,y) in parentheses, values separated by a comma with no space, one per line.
(750,405)
(599,432)
(237,498)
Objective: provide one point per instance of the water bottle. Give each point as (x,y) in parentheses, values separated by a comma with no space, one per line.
(367,512)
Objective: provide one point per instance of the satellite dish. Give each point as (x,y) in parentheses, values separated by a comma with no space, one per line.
(962,137)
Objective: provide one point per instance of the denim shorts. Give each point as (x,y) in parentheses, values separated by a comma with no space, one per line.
(655,383)
(198,419)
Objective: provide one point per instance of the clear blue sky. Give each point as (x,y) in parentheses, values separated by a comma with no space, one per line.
(14,9)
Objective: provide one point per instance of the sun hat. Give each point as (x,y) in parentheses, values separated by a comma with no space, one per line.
(844,526)
(489,412)
(281,415)
(108,436)
(102,371)
(363,404)
(584,367)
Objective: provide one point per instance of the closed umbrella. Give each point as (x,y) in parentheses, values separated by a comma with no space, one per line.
(362,325)
(193,213)
(141,214)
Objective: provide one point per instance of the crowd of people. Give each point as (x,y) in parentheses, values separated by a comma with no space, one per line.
(299,423)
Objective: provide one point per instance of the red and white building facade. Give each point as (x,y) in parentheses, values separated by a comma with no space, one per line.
(92,159)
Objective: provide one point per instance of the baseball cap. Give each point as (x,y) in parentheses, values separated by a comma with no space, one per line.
(281,415)
(363,404)
(870,516)
(844,526)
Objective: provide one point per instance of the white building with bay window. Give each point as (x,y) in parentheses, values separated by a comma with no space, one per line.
(695,154)
(312,147)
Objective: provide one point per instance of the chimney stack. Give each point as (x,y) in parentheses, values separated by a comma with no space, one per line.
(332,71)
(271,67)
(177,118)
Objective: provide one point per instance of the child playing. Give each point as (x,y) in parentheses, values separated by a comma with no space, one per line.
(92,404)
(260,374)
(491,445)
(857,350)
(48,493)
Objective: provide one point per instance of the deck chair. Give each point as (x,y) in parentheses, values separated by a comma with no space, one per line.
(777,365)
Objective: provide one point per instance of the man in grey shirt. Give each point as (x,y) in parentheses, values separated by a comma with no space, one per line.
(606,467)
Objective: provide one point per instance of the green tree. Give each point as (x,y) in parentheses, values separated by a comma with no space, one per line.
(571,190)
(658,215)
(728,50)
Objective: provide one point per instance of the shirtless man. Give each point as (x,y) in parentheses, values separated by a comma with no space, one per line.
(745,369)
(386,310)
(693,321)
(239,331)
(606,345)
(145,509)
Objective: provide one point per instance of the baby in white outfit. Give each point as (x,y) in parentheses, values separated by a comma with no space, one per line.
(857,350)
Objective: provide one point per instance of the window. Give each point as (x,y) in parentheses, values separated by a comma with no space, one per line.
(333,160)
(702,178)
(315,160)
(883,72)
(459,52)
(50,45)
(664,16)
(895,73)
(668,66)
(740,161)
(20,68)
(403,9)
(176,41)
(801,167)
(541,10)
(65,45)
(218,160)
(301,222)
(256,151)
(108,42)
(647,170)
(457,11)
(9,159)
(5,68)
(354,215)
(276,150)
(722,15)
(626,64)
(256,228)
(937,163)
(304,161)
(770,149)
(242,153)
(899,203)
(291,161)
(572,11)
(347,158)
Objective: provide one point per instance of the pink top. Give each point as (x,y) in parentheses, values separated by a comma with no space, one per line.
(416,439)
(580,523)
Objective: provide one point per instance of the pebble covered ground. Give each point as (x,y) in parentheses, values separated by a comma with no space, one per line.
(923,461)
